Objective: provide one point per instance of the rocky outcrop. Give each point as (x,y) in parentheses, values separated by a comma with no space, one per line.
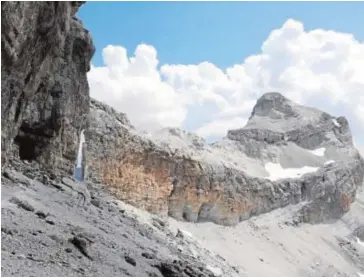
(54,226)
(44,91)
(49,230)
(286,154)
(117,156)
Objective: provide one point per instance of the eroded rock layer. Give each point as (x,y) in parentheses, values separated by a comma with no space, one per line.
(286,154)
(45,54)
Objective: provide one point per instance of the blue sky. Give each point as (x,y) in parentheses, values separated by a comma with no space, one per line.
(223,33)
(217,58)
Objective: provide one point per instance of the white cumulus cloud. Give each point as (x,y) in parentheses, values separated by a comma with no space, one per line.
(320,68)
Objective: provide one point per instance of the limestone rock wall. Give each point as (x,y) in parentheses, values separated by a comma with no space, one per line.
(176,173)
(46,53)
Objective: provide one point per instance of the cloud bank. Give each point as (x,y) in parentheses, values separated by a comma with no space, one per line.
(320,68)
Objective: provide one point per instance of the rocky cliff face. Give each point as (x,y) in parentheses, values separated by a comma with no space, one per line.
(286,154)
(53,225)
(48,230)
(60,227)
(44,91)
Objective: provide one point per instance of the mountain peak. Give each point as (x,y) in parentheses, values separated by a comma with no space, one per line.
(273,104)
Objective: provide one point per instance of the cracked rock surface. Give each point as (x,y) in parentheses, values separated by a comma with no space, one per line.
(287,159)
(45,55)
(48,231)
(286,154)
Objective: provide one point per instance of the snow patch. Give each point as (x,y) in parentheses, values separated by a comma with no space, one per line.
(358,241)
(337,124)
(276,171)
(360,274)
(186,233)
(329,162)
(318,152)
(215,270)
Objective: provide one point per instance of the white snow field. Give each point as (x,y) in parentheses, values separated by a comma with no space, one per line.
(276,171)
(318,152)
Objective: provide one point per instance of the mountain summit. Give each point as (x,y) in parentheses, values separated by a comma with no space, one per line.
(286,154)
(290,165)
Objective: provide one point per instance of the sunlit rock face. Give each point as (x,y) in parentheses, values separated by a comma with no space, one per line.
(46,53)
(286,154)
